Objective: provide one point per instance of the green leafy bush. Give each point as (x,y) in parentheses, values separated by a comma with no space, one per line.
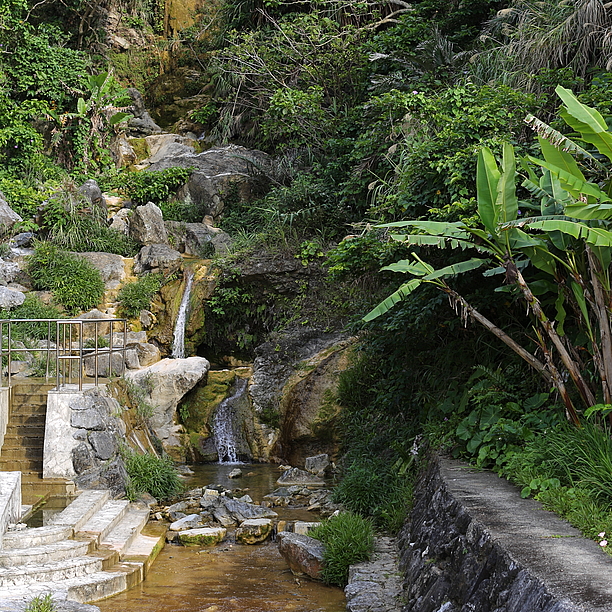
(348,539)
(137,296)
(154,186)
(374,489)
(74,282)
(150,474)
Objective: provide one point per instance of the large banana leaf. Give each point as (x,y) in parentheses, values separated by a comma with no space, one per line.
(506,204)
(581,112)
(397,296)
(458,268)
(594,236)
(571,183)
(487,178)
(418,268)
(560,158)
(560,141)
(435,228)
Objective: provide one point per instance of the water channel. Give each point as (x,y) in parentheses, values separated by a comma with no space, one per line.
(229,577)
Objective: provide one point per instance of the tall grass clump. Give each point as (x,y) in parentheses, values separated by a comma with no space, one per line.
(137,296)
(41,603)
(348,539)
(73,281)
(153,475)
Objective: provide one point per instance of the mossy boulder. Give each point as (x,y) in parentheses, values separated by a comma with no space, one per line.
(254,531)
(205,536)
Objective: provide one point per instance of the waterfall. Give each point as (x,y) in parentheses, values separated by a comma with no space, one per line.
(223,425)
(178,346)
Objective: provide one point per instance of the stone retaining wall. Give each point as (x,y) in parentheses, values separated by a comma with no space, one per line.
(472,544)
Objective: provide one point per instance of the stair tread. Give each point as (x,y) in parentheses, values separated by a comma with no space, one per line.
(126,531)
(46,534)
(81,509)
(59,587)
(106,517)
(56,551)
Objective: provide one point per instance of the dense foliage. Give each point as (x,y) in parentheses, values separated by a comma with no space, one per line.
(153,475)
(73,281)
(348,539)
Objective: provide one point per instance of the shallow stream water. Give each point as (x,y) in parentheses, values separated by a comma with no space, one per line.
(229,577)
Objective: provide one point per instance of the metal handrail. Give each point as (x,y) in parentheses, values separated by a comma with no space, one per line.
(68,348)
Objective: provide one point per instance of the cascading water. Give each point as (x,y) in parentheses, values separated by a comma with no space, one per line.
(178,346)
(223,425)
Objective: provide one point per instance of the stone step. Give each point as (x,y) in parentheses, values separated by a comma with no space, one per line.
(124,534)
(81,509)
(103,521)
(22,402)
(22,452)
(27,418)
(16,465)
(44,554)
(49,572)
(36,536)
(93,587)
(145,548)
(28,430)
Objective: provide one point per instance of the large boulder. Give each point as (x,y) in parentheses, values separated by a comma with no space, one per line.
(161,146)
(197,239)
(158,259)
(10,298)
(295,476)
(111,267)
(254,531)
(206,536)
(9,271)
(147,225)
(8,217)
(164,384)
(303,554)
(90,190)
(219,173)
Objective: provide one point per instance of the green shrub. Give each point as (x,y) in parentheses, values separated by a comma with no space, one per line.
(41,603)
(374,489)
(74,282)
(154,186)
(137,296)
(348,539)
(150,474)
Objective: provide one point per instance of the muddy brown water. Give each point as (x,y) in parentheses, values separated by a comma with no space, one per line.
(229,577)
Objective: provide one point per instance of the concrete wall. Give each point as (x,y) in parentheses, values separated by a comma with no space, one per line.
(473,545)
(4,413)
(10,500)
(59,438)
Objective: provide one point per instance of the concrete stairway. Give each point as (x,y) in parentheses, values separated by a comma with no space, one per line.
(91,550)
(23,443)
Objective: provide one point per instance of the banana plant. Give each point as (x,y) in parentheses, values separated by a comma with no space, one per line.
(574,212)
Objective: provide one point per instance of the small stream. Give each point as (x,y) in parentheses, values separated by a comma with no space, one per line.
(229,577)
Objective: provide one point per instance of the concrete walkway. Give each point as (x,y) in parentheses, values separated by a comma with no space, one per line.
(574,570)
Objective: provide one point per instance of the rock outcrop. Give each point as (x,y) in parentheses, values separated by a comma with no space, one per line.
(219,173)
(163,385)
(147,225)
(303,554)
(8,217)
